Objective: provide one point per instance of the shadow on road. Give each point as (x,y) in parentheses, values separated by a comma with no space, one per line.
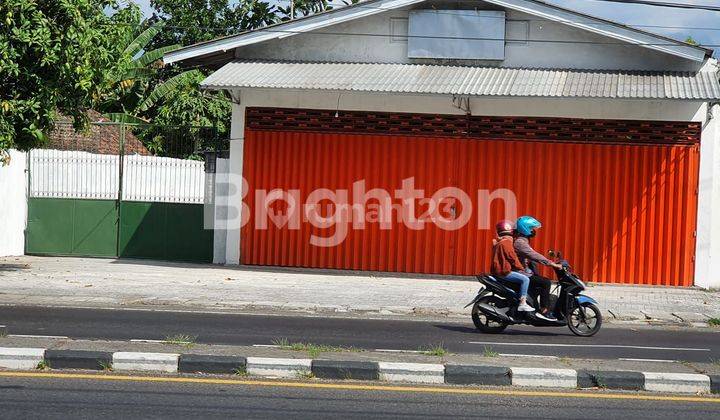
(469,330)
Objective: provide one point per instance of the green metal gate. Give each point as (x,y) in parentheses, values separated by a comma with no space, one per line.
(105,194)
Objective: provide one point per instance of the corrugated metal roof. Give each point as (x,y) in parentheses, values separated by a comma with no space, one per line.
(472,81)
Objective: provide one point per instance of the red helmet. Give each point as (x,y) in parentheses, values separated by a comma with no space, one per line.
(504,227)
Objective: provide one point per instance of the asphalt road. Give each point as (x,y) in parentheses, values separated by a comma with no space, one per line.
(64,398)
(609,343)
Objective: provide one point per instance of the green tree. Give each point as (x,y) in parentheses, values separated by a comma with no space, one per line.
(192,21)
(54,58)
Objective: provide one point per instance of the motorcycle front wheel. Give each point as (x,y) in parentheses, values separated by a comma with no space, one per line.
(482,322)
(584,320)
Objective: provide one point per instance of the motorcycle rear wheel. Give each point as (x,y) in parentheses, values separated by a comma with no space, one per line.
(482,322)
(584,320)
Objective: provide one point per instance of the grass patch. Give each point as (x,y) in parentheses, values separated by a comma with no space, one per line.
(43,365)
(435,350)
(240,371)
(489,352)
(714,322)
(305,374)
(600,382)
(312,349)
(106,366)
(180,340)
(715,362)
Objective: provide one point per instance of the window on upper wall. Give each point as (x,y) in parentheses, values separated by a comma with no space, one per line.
(517,32)
(457,34)
(398,30)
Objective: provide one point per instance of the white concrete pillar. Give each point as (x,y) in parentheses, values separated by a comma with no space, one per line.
(707,251)
(237,142)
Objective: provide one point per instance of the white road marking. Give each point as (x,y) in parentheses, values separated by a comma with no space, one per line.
(141,340)
(615,346)
(527,355)
(272,346)
(401,351)
(36,336)
(648,360)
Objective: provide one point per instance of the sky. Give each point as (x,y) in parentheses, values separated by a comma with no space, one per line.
(634,15)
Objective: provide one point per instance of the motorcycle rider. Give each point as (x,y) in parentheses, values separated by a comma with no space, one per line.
(525,229)
(505,262)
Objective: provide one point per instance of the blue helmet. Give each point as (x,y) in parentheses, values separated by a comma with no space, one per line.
(526,225)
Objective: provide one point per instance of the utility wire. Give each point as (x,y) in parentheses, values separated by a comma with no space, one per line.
(550,41)
(665,4)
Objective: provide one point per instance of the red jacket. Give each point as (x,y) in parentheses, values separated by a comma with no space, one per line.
(504,258)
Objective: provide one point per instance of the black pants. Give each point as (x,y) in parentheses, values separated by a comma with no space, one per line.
(540,288)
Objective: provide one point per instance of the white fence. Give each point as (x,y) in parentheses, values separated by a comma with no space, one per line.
(76,174)
(13,205)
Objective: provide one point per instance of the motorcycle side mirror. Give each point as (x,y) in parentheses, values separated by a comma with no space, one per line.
(551,253)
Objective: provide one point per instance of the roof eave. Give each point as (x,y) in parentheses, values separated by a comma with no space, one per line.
(289,28)
(534,7)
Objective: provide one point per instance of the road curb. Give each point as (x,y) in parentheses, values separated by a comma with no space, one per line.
(78,359)
(477,375)
(20,358)
(148,362)
(421,373)
(541,377)
(690,383)
(430,373)
(205,363)
(334,369)
(278,368)
(611,379)
(714,384)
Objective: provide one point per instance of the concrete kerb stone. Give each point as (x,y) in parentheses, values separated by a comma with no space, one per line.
(424,373)
(634,381)
(20,358)
(29,358)
(541,377)
(334,369)
(714,384)
(78,359)
(150,362)
(203,363)
(690,383)
(477,375)
(278,368)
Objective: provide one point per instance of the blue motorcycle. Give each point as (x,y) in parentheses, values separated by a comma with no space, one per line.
(495,306)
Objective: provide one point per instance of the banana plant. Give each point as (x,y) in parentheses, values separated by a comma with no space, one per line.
(132,80)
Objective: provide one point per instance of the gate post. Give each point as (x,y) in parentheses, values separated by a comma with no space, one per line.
(121,164)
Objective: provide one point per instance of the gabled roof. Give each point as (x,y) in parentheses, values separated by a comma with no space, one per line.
(470,81)
(614,30)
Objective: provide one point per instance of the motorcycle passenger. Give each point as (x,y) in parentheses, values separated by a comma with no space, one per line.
(525,229)
(505,262)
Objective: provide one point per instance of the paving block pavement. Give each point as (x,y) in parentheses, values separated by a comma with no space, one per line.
(97,282)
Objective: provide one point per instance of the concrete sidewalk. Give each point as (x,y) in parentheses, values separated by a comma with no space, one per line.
(94,282)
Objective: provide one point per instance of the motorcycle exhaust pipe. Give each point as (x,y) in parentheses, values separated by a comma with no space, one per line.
(492,312)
